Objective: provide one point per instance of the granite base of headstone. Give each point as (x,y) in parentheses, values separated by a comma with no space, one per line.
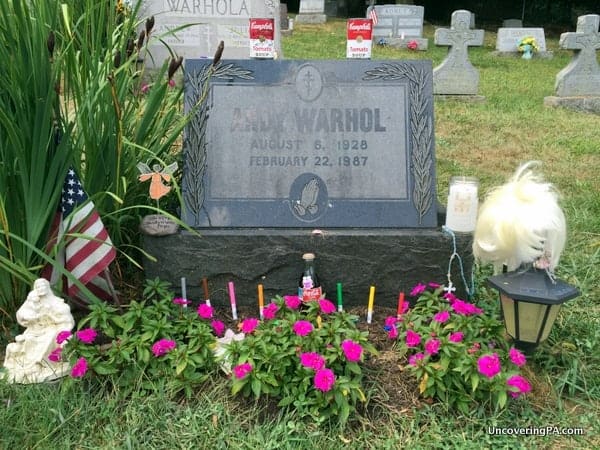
(577,86)
(456,75)
(398,42)
(460,98)
(393,260)
(398,25)
(311,12)
(508,38)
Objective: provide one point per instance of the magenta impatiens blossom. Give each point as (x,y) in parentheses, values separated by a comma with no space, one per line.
(205,311)
(55,355)
(324,379)
(241,370)
(249,325)
(441,317)
(63,336)
(456,337)
(218,327)
(418,289)
(352,350)
(519,383)
(292,301)
(302,327)
(432,346)
(162,347)
(181,301)
(80,368)
(464,308)
(312,360)
(270,311)
(489,365)
(412,339)
(413,360)
(517,357)
(327,307)
(87,335)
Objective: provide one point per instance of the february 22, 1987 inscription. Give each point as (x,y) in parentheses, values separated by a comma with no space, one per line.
(309,143)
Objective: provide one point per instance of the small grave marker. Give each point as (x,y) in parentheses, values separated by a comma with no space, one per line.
(456,75)
(397,25)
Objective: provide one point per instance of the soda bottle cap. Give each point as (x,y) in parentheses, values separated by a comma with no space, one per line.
(308,256)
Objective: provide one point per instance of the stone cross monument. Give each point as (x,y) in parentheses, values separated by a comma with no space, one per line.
(456,75)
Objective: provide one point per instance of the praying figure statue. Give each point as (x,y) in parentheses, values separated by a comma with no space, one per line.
(43,315)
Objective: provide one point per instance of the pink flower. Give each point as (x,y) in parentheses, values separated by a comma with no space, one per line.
(63,336)
(55,355)
(312,360)
(352,350)
(172,83)
(162,347)
(516,357)
(218,327)
(87,335)
(270,311)
(302,327)
(456,337)
(412,45)
(520,383)
(433,285)
(450,297)
(205,311)
(249,325)
(145,88)
(390,321)
(181,301)
(464,308)
(412,339)
(292,301)
(324,379)
(413,360)
(393,332)
(432,346)
(241,370)
(489,365)
(79,368)
(441,317)
(418,289)
(326,306)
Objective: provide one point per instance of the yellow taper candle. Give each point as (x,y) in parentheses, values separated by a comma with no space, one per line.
(370,306)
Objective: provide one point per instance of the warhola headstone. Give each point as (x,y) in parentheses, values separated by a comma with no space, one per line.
(333,157)
(194,28)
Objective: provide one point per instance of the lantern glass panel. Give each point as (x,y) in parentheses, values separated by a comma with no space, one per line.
(531,318)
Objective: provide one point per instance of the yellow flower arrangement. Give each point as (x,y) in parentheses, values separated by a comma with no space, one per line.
(528,40)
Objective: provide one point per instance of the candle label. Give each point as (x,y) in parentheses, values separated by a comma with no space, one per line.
(310,294)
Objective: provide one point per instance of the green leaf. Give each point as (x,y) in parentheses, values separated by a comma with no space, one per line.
(181,367)
(256,385)
(474,381)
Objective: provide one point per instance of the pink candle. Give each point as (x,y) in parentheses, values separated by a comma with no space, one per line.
(232,300)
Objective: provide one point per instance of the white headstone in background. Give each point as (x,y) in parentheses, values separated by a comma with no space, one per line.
(508,39)
(311,11)
(208,22)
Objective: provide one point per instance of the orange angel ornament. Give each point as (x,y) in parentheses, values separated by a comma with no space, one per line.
(156,175)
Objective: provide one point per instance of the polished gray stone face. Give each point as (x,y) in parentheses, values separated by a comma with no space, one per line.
(582,76)
(507,39)
(310,144)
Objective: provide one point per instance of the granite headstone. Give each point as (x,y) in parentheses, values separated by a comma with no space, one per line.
(507,41)
(193,28)
(578,84)
(456,75)
(310,144)
(397,25)
(311,11)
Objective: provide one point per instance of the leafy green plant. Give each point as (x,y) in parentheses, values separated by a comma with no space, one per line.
(457,351)
(153,341)
(307,357)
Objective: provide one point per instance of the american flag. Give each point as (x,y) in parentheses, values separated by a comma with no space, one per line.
(373,15)
(86,250)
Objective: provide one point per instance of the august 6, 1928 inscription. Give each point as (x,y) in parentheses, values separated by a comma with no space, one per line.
(309,143)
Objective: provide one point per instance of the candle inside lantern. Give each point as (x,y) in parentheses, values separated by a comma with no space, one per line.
(461,212)
(232,300)
(261,301)
(370,306)
(339,298)
(205,288)
(400,304)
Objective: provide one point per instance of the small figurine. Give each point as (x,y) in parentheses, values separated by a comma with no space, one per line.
(156,176)
(43,315)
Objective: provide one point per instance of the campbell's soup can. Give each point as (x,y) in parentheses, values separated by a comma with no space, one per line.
(360,32)
(262,38)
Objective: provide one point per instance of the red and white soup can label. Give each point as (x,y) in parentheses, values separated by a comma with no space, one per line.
(262,38)
(360,34)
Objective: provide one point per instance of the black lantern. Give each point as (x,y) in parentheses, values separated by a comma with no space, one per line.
(530,302)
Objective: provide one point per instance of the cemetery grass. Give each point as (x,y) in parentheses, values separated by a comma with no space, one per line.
(487,140)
